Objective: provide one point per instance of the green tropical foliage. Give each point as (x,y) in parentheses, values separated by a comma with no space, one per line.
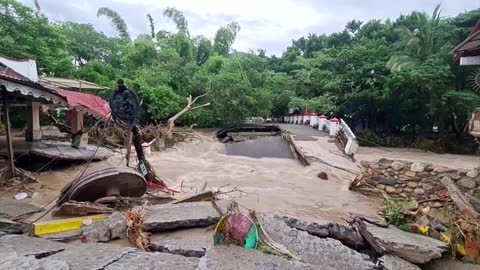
(394,78)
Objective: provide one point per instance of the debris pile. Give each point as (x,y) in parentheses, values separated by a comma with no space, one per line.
(438,202)
(420,181)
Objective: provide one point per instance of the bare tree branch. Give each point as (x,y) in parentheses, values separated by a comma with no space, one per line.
(188,108)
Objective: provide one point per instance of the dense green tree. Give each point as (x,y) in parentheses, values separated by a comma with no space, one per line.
(26,34)
(225,37)
(397,78)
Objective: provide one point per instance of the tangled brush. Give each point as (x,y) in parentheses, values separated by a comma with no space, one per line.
(135,233)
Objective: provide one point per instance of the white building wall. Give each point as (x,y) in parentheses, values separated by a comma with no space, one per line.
(26,67)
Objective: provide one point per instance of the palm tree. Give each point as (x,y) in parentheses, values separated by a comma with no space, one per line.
(116,20)
(419,44)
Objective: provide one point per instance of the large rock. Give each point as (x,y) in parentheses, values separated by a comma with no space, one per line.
(237,258)
(153,260)
(418,167)
(29,246)
(113,227)
(414,248)
(389,262)
(467,182)
(91,256)
(348,236)
(314,250)
(398,165)
(472,173)
(188,242)
(13,261)
(184,215)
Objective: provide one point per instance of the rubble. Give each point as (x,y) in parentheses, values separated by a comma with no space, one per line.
(412,180)
(153,260)
(234,257)
(314,250)
(463,205)
(74,208)
(175,216)
(411,247)
(345,234)
(389,262)
(9,226)
(113,227)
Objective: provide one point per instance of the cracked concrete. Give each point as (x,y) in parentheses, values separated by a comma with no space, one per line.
(312,249)
(173,216)
(187,242)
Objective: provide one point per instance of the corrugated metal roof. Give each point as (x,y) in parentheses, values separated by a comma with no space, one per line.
(70,83)
(91,104)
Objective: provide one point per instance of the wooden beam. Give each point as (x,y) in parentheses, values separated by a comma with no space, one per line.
(11,155)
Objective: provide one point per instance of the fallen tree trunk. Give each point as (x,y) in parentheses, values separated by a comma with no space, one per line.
(188,108)
(464,206)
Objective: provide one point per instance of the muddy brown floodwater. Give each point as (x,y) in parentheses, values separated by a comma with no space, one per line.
(275,185)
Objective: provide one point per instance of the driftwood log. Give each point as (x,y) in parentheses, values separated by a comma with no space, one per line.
(463,204)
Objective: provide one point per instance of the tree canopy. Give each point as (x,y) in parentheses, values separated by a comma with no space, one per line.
(392,77)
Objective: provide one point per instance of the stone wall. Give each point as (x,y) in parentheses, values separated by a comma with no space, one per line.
(417,180)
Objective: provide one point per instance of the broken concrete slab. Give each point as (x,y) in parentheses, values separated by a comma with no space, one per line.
(113,227)
(153,260)
(237,258)
(63,236)
(312,249)
(14,261)
(91,256)
(348,236)
(25,246)
(414,248)
(184,215)
(13,209)
(9,226)
(389,262)
(187,242)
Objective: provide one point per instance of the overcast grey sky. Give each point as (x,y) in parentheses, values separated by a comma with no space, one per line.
(265,24)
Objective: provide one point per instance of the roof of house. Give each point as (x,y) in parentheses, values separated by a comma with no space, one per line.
(471,45)
(27,87)
(70,83)
(88,103)
(92,104)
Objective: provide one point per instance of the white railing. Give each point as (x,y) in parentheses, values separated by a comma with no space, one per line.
(352,144)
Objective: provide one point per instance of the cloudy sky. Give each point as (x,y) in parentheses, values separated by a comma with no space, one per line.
(265,24)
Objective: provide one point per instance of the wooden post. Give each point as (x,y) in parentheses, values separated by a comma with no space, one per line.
(11,155)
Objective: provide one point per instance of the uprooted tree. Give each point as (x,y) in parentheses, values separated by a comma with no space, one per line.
(188,108)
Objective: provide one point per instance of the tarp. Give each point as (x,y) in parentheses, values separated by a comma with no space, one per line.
(96,105)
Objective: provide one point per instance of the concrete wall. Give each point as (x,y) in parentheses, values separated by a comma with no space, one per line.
(26,67)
